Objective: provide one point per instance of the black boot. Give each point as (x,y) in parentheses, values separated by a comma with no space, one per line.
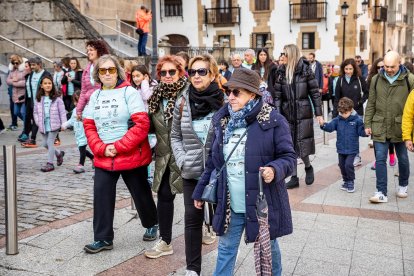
(293,183)
(309,176)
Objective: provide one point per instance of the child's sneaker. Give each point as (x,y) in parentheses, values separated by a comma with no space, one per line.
(351,187)
(379,197)
(344,186)
(79,169)
(60,158)
(392,159)
(357,161)
(98,246)
(48,167)
(402,192)
(29,144)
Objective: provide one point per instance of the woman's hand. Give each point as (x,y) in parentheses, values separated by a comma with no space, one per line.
(110,151)
(198,204)
(268,174)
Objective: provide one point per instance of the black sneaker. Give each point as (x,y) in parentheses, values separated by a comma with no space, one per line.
(151,233)
(309,176)
(48,167)
(293,183)
(98,246)
(60,158)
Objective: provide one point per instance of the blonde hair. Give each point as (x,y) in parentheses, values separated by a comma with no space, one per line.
(103,59)
(293,55)
(16,58)
(210,60)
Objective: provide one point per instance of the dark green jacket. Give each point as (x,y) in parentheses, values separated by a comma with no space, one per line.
(385,106)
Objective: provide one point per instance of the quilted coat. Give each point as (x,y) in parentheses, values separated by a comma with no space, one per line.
(57,114)
(268,143)
(87,89)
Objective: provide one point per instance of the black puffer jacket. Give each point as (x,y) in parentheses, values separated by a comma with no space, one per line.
(294,102)
(356,90)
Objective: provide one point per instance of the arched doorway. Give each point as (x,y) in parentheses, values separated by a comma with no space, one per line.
(178,43)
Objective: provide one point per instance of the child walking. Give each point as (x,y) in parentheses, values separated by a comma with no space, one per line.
(49,114)
(348,127)
(79,135)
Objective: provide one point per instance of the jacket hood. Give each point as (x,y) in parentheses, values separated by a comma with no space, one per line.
(403,70)
(352,117)
(21,66)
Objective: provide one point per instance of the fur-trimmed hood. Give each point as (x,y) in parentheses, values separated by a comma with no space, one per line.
(21,66)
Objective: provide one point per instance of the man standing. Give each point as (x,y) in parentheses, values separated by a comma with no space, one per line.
(32,86)
(236,62)
(317,70)
(249,59)
(362,66)
(388,93)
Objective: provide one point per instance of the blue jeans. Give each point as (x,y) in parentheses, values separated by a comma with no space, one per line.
(381,153)
(20,110)
(142,44)
(12,113)
(229,244)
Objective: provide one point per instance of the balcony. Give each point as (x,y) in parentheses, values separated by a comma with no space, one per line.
(306,12)
(394,18)
(171,8)
(222,16)
(380,14)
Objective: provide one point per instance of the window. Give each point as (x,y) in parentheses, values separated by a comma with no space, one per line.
(308,41)
(221,37)
(259,39)
(262,5)
(173,8)
(362,40)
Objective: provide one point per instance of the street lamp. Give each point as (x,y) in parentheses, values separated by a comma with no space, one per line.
(344,8)
(154,58)
(364,9)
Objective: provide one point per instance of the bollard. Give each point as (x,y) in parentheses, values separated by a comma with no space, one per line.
(9,153)
(133,204)
(325,118)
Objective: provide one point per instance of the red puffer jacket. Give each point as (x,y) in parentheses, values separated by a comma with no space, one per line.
(133,148)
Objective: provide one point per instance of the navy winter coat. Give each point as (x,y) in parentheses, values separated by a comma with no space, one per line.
(268,143)
(348,132)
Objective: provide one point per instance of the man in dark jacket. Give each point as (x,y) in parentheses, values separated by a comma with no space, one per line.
(317,70)
(362,66)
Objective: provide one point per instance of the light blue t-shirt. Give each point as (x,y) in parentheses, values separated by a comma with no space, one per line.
(34,84)
(235,171)
(71,88)
(111,109)
(77,128)
(47,102)
(348,79)
(393,78)
(201,127)
(57,80)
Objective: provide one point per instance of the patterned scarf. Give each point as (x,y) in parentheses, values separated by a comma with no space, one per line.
(237,119)
(166,91)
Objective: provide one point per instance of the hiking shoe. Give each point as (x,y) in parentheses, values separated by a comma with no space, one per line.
(98,246)
(79,169)
(374,166)
(48,167)
(351,187)
(402,192)
(60,158)
(293,183)
(378,197)
(344,186)
(310,178)
(208,237)
(392,159)
(357,161)
(151,233)
(23,138)
(29,144)
(161,248)
(57,142)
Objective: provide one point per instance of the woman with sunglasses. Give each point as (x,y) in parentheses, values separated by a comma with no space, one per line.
(296,95)
(119,148)
(190,140)
(260,139)
(167,176)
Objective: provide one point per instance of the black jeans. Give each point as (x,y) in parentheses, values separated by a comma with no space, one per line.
(29,123)
(1,124)
(83,154)
(346,164)
(13,116)
(104,194)
(165,207)
(193,227)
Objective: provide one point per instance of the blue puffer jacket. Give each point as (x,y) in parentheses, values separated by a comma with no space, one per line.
(268,143)
(348,132)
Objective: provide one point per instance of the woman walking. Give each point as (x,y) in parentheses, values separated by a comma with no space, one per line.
(73,81)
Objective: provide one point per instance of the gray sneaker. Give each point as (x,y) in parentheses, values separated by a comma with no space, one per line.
(161,248)
(79,169)
(357,161)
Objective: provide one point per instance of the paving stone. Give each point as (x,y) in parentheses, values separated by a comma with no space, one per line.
(320,268)
(369,264)
(378,248)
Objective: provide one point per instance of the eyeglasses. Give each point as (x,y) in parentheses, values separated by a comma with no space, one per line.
(201,72)
(111,70)
(379,67)
(170,72)
(235,92)
(15,63)
(283,54)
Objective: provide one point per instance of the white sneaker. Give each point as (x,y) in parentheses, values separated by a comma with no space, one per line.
(402,192)
(357,161)
(161,248)
(378,197)
(191,273)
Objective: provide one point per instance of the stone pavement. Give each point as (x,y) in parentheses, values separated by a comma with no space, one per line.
(335,233)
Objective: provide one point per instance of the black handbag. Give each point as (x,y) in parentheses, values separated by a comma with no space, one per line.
(139,31)
(210,190)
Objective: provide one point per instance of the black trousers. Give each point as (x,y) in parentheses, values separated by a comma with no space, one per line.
(104,199)
(29,123)
(346,164)
(83,154)
(165,207)
(193,227)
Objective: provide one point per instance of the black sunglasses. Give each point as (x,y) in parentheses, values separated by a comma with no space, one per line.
(283,54)
(235,92)
(380,67)
(15,63)
(201,72)
(171,72)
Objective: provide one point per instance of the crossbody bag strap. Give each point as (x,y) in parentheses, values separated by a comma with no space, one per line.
(360,86)
(228,157)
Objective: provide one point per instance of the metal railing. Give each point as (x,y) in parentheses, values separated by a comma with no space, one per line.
(380,14)
(26,49)
(308,11)
(51,37)
(229,15)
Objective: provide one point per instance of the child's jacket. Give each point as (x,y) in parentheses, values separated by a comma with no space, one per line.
(348,132)
(57,114)
(77,128)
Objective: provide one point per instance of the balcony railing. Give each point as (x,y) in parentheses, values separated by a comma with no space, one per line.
(308,11)
(222,16)
(380,13)
(394,17)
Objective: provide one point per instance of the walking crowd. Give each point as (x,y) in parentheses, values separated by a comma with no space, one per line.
(204,123)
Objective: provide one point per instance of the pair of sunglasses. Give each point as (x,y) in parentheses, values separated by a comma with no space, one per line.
(15,63)
(380,67)
(283,54)
(170,72)
(235,92)
(111,70)
(201,72)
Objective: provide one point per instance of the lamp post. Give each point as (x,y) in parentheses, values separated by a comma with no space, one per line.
(344,8)
(154,58)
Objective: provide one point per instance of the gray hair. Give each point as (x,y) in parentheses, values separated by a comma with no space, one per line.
(250,51)
(35,60)
(235,55)
(103,59)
